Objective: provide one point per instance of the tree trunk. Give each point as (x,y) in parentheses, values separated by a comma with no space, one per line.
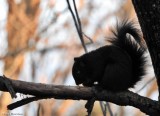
(148,12)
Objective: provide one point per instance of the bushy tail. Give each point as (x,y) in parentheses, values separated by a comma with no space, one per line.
(134,48)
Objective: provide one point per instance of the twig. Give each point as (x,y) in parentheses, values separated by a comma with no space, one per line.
(109,109)
(88,37)
(89,105)
(23,102)
(103,108)
(78,20)
(145,84)
(9,87)
(78,27)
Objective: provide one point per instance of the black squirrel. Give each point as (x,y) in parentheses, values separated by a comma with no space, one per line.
(114,67)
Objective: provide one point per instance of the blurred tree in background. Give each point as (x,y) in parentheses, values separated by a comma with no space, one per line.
(42,42)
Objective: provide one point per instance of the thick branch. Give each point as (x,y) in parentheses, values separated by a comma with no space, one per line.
(146,105)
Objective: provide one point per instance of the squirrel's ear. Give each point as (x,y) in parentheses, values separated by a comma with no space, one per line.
(76,59)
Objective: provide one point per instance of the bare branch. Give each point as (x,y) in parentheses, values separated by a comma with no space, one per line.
(146,105)
(103,108)
(77,23)
(147,83)
(23,102)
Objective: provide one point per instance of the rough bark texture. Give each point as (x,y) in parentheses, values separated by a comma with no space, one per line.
(125,98)
(148,12)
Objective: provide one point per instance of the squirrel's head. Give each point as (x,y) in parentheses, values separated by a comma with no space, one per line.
(80,72)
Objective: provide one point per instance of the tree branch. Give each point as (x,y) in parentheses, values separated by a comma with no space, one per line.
(145,104)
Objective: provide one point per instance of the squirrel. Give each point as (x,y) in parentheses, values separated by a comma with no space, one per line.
(114,67)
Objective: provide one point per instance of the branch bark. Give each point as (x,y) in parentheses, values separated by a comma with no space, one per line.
(145,104)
